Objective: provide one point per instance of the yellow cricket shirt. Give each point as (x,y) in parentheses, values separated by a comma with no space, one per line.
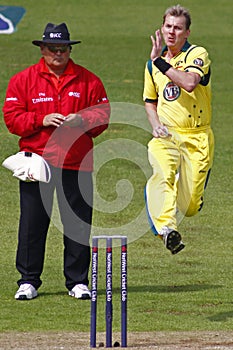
(176,107)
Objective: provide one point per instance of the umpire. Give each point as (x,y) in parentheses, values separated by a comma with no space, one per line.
(56,107)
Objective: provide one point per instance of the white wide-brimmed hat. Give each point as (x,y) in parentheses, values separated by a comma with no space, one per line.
(28,166)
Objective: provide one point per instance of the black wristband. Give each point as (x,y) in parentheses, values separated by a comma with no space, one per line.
(162,65)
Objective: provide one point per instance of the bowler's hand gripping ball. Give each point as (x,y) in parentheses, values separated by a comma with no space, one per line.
(162,131)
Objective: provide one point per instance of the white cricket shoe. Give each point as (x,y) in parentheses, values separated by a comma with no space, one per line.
(26,292)
(80,291)
(172,240)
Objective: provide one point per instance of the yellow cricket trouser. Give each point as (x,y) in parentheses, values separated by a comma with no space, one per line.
(181,164)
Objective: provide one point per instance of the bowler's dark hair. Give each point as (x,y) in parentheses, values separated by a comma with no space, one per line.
(178,11)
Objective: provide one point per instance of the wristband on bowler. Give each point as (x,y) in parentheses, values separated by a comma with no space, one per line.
(162,65)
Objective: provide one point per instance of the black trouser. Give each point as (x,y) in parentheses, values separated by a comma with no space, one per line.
(75,198)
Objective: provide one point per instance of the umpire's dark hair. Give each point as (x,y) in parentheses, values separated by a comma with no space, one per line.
(178,11)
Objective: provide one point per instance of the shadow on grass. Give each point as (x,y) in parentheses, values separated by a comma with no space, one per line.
(166,289)
(221,317)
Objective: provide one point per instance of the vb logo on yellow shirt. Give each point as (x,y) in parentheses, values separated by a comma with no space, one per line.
(171,91)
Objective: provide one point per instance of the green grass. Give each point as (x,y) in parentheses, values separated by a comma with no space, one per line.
(190,291)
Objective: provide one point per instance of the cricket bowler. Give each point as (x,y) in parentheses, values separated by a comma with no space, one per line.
(177,96)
